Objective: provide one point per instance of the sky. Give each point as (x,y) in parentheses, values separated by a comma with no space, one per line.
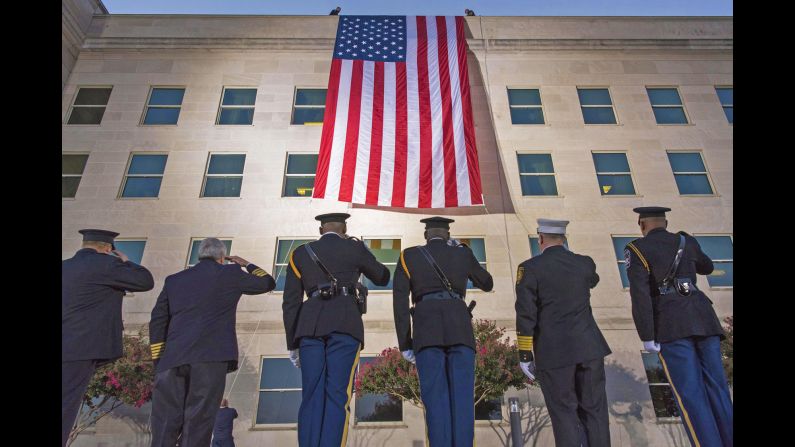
(428,7)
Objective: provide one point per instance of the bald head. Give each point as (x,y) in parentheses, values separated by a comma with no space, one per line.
(649,223)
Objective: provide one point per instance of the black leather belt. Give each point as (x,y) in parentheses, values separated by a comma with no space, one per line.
(441,295)
(344,290)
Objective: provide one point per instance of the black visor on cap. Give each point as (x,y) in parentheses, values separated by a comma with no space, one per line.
(437,222)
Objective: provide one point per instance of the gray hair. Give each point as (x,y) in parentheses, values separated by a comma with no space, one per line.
(212,248)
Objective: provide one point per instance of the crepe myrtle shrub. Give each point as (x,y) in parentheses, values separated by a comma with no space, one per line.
(727,349)
(496,369)
(127,381)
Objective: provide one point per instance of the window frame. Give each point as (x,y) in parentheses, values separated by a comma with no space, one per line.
(277,426)
(485,264)
(295,97)
(504,409)
(659,419)
(207,168)
(397,261)
(612,104)
(621,260)
(135,239)
(221,105)
(126,175)
(543,110)
(706,172)
(731,238)
(681,99)
(284,177)
(723,106)
(276,264)
(199,238)
(149,98)
(375,424)
(74,98)
(553,173)
(535,236)
(629,164)
(88,156)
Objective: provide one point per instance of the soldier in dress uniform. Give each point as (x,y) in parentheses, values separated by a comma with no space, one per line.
(327,328)
(194,343)
(677,321)
(559,340)
(93,283)
(441,342)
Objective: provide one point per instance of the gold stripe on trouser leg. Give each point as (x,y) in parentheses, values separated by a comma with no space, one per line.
(348,404)
(679,399)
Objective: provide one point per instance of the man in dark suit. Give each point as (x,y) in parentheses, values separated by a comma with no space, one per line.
(554,321)
(681,327)
(194,343)
(93,283)
(442,343)
(222,431)
(327,327)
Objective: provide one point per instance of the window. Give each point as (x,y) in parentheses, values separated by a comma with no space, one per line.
(619,243)
(662,396)
(478,246)
(144,174)
(279,392)
(537,175)
(525,105)
(89,105)
(612,173)
(489,410)
(163,105)
(387,252)
(726,96)
(596,105)
(283,249)
(535,249)
(132,248)
(193,257)
(309,106)
(72,166)
(667,105)
(376,407)
(299,176)
(721,250)
(224,175)
(690,173)
(237,106)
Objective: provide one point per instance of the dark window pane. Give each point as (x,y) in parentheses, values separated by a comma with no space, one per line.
(622,271)
(598,115)
(489,410)
(279,373)
(73,164)
(371,286)
(303,115)
(535,163)
(527,115)
(226,164)
(236,116)
(654,368)
(298,186)
(615,185)
(310,97)
(664,96)
(222,187)
(524,97)
(686,162)
(301,163)
(133,249)
(92,97)
(166,96)
(535,249)
(662,397)
(611,162)
(539,185)
(86,115)
(594,97)
(729,111)
(722,276)
(142,187)
(69,186)
(161,115)
(147,164)
(239,96)
(619,243)
(716,247)
(194,250)
(693,184)
(278,407)
(478,247)
(378,408)
(725,95)
(670,115)
(286,246)
(280,275)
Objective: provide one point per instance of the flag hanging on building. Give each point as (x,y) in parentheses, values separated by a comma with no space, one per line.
(397,129)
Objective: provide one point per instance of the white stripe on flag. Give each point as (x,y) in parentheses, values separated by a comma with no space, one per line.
(413,115)
(462,174)
(340,132)
(437,135)
(388,144)
(365,135)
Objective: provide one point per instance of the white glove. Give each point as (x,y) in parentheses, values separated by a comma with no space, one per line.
(409,355)
(528,368)
(294,358)
(651,346)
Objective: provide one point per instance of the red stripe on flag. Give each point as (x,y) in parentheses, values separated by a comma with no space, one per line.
(466,110)
(401,136)
(426,132)
(352,137)
(327,138)
(376,138)
(448,142)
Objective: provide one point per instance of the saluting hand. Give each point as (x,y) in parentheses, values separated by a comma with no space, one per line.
(121,255)
(237,260)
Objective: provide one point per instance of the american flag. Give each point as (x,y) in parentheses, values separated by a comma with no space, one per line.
(398,128)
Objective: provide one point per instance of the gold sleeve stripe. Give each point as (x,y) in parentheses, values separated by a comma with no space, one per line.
(403,263)
(259,272)
(524,342)
(292,265)
(155,345)
(637,252)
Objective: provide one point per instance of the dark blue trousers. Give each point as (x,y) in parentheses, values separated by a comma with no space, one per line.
(447,386)
(328,365)
(694,369)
